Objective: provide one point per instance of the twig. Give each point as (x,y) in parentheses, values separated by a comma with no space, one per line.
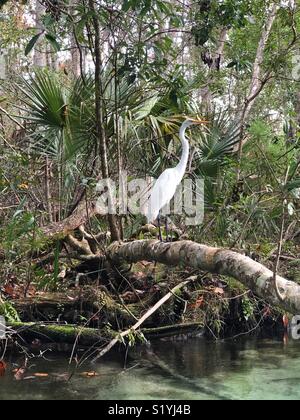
(151,311)
(280,243)
(11,118)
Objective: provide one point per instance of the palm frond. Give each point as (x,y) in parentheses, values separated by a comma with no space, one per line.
(45,100)
(216,143)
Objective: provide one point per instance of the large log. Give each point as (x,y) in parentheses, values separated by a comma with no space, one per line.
(72,305)
(252,274)
(53,333)
(70,334)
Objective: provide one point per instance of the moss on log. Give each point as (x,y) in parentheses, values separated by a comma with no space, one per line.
(59,333)
(69,334)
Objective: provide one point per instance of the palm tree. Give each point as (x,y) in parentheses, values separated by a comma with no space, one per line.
(61,127)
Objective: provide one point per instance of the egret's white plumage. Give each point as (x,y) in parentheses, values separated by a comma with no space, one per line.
(165,187)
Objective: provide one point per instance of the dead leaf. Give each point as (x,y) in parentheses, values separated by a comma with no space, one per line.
(145,263)
(20,373)
(267,311)
(218,291)
(61,376)
(90,374)
(197,304)
(41,375)
(23,186)
(285,320)
(2,368)
(16,291)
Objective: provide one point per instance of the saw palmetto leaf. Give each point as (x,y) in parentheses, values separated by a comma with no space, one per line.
(214,144)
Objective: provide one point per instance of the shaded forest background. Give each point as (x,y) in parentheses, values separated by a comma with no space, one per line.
(89,89)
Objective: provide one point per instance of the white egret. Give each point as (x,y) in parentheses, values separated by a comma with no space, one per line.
(165,187)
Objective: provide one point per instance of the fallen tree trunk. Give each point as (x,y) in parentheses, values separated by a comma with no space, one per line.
(71,306)
(69,334)
(53,333)
(252,274)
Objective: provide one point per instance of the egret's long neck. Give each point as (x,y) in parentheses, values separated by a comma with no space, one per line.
(181,167)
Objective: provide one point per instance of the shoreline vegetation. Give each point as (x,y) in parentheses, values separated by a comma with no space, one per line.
(91,92)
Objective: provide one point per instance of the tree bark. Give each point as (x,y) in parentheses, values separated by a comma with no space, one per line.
(66,334)
(68,307)
(69,334)
(100,114)
(257,82)
(39,59)
(252,274)
(80,216)
(76,54)
(214,62)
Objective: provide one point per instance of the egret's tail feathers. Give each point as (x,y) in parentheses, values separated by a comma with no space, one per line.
(150,213)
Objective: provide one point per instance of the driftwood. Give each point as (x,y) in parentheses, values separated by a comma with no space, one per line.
(252,274)
(69,334)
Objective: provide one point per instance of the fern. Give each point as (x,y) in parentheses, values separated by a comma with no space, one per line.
(9,312)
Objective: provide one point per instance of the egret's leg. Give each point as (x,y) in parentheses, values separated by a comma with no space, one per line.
(167,230)
(159,228)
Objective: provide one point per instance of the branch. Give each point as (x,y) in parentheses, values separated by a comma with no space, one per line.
(252,274)
(79,217)
(12,118)
(150,312)
(257,83)
(166,31)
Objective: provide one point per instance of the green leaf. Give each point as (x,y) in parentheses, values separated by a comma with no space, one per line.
(9,312)
(146,108)
(232,64)
(53,42)
(126,5)
(32,43)
(293,185)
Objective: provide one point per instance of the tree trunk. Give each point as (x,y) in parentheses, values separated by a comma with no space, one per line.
(66,334)
(39,59)
(257,81)
(100,120)
(70,334)
(69,307)
(214,260)
(214,62)
(77,65)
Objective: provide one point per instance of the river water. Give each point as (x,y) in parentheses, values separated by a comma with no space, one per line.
(250,368)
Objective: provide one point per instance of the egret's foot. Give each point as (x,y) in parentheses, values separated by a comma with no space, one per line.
(164,241)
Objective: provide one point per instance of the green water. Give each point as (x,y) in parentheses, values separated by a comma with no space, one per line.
(193,369)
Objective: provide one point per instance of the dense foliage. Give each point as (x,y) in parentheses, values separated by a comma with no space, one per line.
(156,62)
